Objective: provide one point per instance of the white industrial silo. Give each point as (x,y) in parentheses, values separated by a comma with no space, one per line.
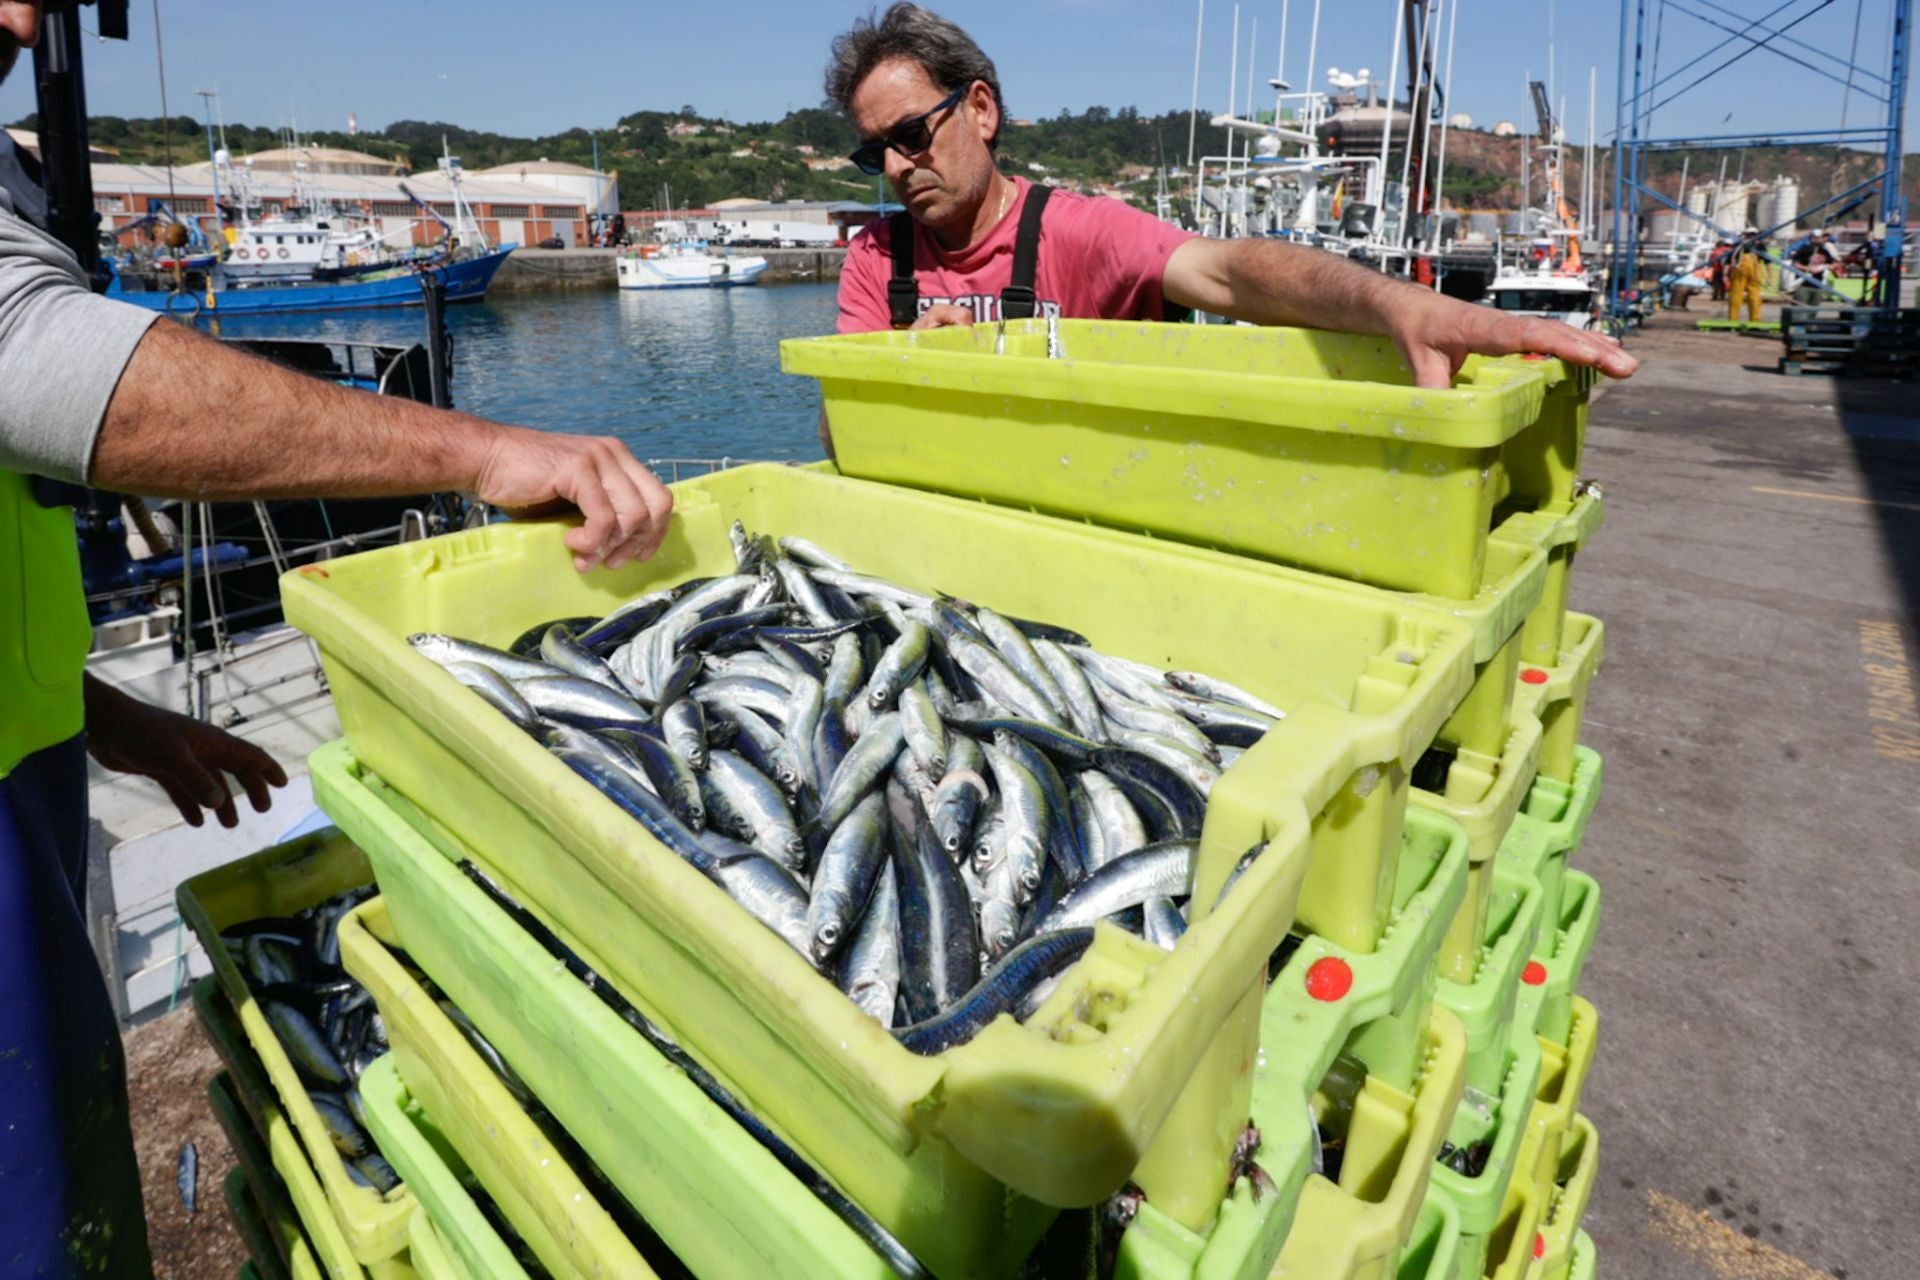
(1786,205)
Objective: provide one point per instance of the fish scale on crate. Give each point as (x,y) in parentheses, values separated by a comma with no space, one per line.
(931,803)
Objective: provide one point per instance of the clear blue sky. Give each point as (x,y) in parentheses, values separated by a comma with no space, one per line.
(529,69)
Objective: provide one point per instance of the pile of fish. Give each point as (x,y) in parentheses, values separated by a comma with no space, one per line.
(323,1018)
(932,803)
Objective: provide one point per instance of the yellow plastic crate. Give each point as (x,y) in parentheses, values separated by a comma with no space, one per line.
(1294,445)
(1435,1241)
(1482,794)
(431,1256)
(726,1206)
(279,882)
(249,1223)
(1559,536)
(1563,1075)
(530,1180)
(1557,695)
(286,1248)
(1376,1006)
(1061,1110)
(1567,1204)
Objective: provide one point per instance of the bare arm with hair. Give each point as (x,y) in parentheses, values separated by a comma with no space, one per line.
(194,419)
(1264,282)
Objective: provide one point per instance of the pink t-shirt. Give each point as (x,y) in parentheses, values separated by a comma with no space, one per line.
(1099,259)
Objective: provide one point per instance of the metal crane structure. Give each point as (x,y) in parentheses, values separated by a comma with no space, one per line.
(1647,87)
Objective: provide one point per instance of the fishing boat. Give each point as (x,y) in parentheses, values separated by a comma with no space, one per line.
(312,258)
(676,260)
(205,293)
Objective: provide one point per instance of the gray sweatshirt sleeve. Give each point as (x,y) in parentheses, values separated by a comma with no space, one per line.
(62,350)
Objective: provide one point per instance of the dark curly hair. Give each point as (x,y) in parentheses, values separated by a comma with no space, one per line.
(948,55)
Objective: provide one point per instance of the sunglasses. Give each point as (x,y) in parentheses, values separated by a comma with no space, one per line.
(909,137)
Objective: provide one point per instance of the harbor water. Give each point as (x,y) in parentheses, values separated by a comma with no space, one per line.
(685,373)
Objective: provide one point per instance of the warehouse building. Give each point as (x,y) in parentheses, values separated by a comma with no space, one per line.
(524,203)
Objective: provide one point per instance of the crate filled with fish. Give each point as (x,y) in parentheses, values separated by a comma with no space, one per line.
(264,1141)
(1292,445)
(258,1201)
(543,1196)
(269,925)
(728,1195)
(1229,710)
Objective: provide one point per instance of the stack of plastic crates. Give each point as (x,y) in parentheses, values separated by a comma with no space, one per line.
(302,1207)
(1273,1095)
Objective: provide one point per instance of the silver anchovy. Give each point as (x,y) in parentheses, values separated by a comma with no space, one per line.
(1163,925)
(559,648)
(1083,707)
(1121,830)
(1189,764)
(1218,690)
(1120,675)
(898,666)
(926,735)
(859,584)
(582,702)
(846,671)
(865,764)
(1157,871)
(870,966)
(748,804)
(685,727)
(770,895)
(999,681)
(1125,713)
(443,649)
(1023,808)
(843,881)
(812,556)
(1020,655)
(803,592)
(496,691)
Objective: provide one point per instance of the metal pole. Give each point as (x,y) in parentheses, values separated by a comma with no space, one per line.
(1193,110)
(1615,271)
(60,85)
(206,104)
(1892,199)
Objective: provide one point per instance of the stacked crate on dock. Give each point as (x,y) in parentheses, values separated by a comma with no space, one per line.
(1871,342)
(324,1219)
(1387,564)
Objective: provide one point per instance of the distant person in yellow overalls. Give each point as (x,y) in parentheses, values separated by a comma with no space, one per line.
(1745,271)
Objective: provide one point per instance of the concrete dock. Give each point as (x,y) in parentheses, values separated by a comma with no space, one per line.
(546,270)
(1757,970)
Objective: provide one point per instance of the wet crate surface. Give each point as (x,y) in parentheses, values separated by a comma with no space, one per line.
(279,882)
(1299,446)
(465,1244)
(530,1178)
(1323,998)
(1366,686)
(721,1201)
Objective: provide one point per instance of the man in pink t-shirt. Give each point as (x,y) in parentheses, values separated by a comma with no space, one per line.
(928,106)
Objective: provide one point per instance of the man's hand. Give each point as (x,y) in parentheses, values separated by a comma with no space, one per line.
(1436,334)
(530,472)
(942,314)
(187,757)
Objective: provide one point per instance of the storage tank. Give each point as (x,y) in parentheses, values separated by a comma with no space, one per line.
(1664,224)
(1700,199)
(1730,206)
(1786,205)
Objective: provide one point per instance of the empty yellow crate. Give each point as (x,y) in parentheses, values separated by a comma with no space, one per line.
(1296,445)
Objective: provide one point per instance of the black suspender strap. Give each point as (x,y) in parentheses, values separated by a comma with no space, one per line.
(903,293)
(1018,300)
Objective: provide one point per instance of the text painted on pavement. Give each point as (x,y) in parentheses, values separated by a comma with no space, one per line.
(1892,705)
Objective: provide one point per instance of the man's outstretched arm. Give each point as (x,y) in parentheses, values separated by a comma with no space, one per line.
(192,418)
(1266,282)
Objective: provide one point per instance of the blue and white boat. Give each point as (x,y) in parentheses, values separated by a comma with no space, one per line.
(217,294)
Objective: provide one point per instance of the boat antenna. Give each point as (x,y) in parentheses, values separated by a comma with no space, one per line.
(166,129)
(1193,111)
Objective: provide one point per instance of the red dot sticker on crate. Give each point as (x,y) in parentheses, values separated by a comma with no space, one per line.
(1329,978)
(1539,1245)
(1533,675)
(1535,974)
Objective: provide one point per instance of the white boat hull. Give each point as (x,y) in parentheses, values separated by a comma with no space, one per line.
(693,271)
